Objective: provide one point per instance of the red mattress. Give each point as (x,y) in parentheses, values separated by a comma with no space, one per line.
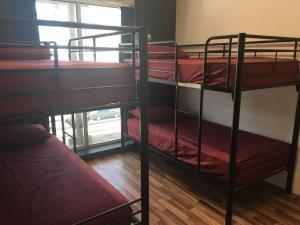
(77,74)
(257,155)
(47,184)
(256,71)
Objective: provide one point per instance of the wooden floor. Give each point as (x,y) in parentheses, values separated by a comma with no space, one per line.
(177,198)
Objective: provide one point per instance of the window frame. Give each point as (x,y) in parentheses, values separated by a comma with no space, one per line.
(105,3)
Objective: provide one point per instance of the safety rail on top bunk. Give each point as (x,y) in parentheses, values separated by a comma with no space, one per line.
(94,39)
(141,99)
(175,81)
(244,45)
(260,48)
(197,52)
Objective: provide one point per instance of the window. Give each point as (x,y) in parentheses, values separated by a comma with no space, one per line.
(60,11)
(92,128)
(99,15)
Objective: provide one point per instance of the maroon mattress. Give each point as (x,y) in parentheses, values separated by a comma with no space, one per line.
(77,74)
(257,155)
(47,184)
(256,71)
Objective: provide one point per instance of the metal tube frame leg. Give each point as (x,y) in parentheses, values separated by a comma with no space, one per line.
(232,165)
(235,129)
(294,147)
(122,129)
(144,127)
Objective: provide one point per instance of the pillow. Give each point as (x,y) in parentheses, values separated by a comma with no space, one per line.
(12,53)
(164,52)
(156,114)
(24,134)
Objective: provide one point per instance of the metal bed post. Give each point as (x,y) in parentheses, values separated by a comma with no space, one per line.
(57,83)
(224,50)
(56,66)
(94,52)
(294,146)
(229,62)
(295,50)
(124,107)
(63,128)
(144,125)
(235,128)
(133,58)
(200,126)
(72,115)
(69,51)
(124,131)
(133,55)
(205,71)
(176,99)
(122,117)
(74,133)
(53,125)
(276,55)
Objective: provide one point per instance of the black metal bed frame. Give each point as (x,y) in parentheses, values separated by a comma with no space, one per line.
(141,96)
(227,46)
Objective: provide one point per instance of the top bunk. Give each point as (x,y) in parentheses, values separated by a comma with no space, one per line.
(264,62)
(34,81)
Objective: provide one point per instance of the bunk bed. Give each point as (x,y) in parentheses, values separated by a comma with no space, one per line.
(44,182)
(231,64)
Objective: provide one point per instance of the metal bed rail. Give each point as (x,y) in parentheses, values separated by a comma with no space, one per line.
(227,50)
(141,97)
(259,42)
(106,213)
(165,43)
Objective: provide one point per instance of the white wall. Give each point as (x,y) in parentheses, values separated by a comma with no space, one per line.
(267,112)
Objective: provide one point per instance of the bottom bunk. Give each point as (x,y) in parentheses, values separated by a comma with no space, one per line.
(257,156)
(44,182)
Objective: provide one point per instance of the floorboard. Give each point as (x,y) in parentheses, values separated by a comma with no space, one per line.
(178,198)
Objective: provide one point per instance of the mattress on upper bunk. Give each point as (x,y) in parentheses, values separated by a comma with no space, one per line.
(257,71)
(45,183)
(74,74)
(257,155)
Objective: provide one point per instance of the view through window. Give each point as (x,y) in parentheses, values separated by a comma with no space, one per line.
(97,127)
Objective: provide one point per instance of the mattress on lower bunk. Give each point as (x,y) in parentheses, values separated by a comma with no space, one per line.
(75,74)
(256,71)
(46,184)
(257,155)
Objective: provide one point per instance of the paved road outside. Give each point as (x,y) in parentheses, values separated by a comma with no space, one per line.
(99,131)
